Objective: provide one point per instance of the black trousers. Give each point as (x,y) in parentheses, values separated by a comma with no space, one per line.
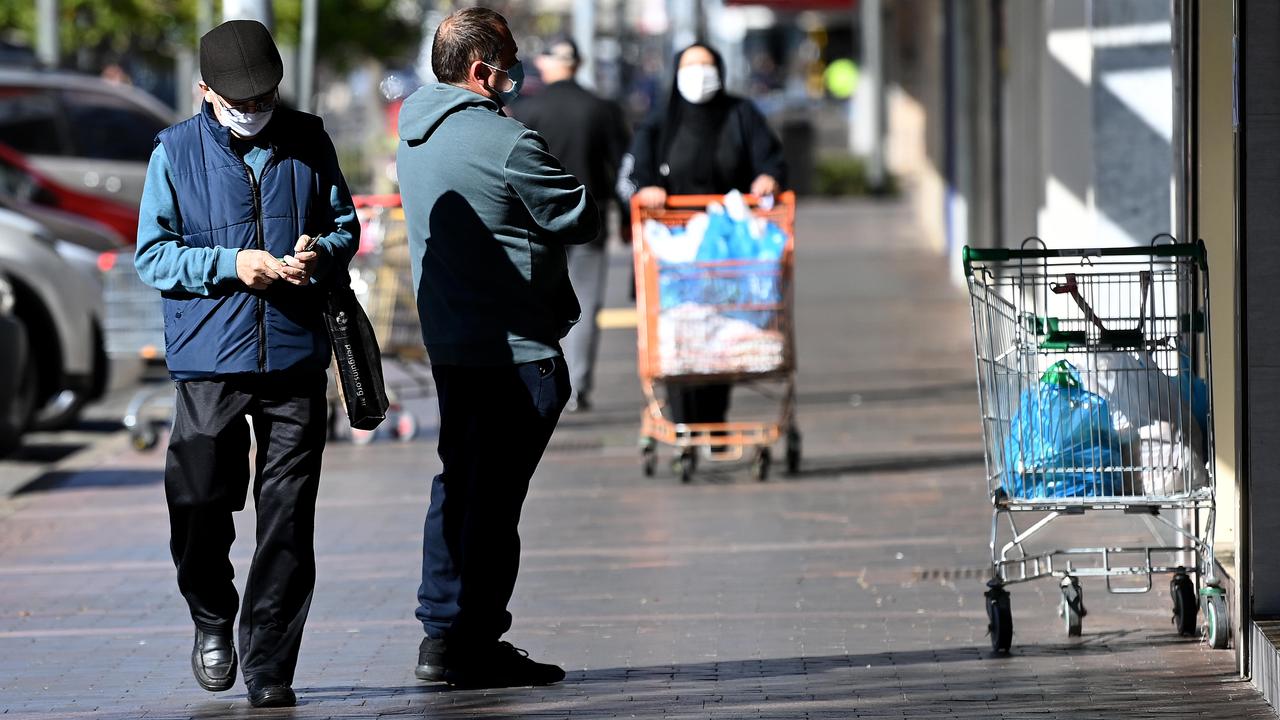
(495,423)
(206,480)
(699,403)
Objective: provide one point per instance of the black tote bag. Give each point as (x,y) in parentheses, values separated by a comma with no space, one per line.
(359,360)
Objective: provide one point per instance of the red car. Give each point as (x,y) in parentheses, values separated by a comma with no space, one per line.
(22,183)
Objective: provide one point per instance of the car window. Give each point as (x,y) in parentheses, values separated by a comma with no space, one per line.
(16,182)
(28,121)
(107,127)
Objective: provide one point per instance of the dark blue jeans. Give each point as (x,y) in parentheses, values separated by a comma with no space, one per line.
(495,423)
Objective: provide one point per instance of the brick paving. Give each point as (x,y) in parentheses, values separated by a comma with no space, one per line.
(853,590)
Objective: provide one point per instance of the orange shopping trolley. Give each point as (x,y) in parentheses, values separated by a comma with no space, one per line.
(716,321)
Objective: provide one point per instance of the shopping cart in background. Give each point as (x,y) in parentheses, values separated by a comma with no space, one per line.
(382,280)
(133,326)
(733,323)
(1093,376)
(380,276)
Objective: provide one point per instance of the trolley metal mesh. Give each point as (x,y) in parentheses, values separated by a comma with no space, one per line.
(1124,330)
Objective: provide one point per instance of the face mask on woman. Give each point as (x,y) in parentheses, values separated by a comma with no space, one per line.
(698,83)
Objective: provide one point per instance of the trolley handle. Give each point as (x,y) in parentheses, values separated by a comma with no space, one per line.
(1195,251)
(700,202)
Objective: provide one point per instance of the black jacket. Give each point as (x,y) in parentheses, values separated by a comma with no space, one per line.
(757,152)
(587,133)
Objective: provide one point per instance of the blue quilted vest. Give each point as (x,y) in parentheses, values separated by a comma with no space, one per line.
(239,330)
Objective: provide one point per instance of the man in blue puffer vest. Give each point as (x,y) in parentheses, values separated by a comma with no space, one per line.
(245,218)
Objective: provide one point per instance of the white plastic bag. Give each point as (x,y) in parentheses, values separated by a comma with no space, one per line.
(1171,464)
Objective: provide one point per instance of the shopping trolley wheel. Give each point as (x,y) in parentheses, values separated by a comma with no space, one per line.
(760,464)
(999,617)
(648,458)
(1217,617)
(1185,604)
(1072,608)
(793,452)
(686,464)
(144,437)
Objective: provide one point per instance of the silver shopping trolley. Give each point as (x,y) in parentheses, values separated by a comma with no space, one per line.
(1093,378)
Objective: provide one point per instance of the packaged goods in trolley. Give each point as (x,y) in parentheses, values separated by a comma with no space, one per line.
(1093,374)
(714,299)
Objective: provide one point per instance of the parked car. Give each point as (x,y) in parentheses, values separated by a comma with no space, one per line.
(82,131)
(17,384)
(26,189)
(59,302)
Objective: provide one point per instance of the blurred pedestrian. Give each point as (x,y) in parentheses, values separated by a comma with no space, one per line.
(704,141)
(489,212)
(589,135)
(245,217)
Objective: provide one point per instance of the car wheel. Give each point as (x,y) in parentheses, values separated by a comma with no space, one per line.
(15,415)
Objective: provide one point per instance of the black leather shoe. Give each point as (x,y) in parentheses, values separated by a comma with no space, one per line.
(431,661)
(497,666)
(269,696)
(213,660)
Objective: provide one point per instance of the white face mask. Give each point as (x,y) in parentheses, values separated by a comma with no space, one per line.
(242,123)
(698,83)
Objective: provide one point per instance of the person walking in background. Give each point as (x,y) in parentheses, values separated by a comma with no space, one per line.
(489,212)
(589,135)
(245,217)
(704,141)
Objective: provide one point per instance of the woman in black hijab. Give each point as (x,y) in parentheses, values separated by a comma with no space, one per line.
(703,142)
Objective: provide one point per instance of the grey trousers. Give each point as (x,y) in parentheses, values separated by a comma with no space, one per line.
(588,269)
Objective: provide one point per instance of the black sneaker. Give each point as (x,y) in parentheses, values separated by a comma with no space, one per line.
(500,665)
(431,662)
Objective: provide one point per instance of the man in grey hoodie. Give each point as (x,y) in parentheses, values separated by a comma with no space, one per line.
(489,212)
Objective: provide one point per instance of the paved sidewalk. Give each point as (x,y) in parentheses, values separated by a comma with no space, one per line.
(854,590)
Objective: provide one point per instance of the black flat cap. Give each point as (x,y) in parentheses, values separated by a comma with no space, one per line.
(239,60)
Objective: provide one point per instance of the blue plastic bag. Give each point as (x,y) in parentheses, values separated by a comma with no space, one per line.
(1061,441)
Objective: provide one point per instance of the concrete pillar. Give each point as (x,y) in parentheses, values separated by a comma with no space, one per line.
(259,10)
(867,128)
(307,56)
(584,35)
(48,51)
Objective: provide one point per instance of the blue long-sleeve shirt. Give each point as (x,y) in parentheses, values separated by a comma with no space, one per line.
(167,264)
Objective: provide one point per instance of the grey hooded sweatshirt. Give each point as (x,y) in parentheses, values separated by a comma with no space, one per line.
(489,212)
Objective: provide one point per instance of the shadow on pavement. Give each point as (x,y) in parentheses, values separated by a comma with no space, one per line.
(72,480)
(867,464)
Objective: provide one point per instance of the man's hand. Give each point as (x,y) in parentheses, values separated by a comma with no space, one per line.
(302,263)
(764,185)
(257,268)
(652,196)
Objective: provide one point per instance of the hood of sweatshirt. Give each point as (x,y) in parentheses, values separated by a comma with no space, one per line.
(430,105)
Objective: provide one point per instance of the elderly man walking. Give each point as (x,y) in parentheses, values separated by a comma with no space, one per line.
(489,213)
(245,216)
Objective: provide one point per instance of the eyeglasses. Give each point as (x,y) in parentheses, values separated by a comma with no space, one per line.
(263,103)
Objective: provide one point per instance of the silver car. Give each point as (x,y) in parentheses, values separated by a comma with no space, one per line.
(58,300)
(82,131)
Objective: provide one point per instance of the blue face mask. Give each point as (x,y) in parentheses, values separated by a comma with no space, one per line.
(515,74)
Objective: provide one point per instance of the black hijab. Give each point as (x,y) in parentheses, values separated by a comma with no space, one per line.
(709,116)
